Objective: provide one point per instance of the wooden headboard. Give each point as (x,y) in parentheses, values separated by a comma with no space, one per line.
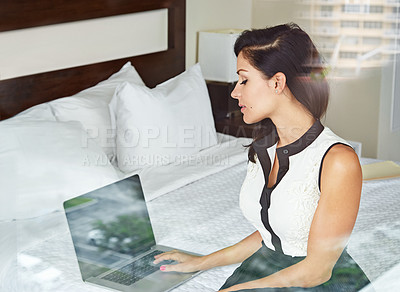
(18,94)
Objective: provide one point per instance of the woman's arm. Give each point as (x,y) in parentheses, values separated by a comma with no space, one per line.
(227,256)
(334,219)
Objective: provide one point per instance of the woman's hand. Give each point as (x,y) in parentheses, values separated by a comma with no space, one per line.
(186,263)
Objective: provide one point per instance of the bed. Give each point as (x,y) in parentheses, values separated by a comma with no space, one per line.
(59,142)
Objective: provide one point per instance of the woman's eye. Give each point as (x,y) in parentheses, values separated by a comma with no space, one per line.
(243,82)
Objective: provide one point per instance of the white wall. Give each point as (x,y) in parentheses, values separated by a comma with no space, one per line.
(213,14)
(353,111)
(272,12)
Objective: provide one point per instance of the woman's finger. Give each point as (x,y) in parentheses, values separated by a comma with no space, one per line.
(172,268)
(166,256)
(167,252)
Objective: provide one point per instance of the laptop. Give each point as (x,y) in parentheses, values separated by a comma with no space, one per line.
(114,241)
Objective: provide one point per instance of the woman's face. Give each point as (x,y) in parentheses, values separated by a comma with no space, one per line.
(255,94)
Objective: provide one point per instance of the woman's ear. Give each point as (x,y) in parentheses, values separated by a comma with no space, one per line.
(279,82)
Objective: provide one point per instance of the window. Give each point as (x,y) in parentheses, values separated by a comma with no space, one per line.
(357,8)
(326,10)
(348,55)
(325,43)
(350,40)
(356,28)
(375,9)
(351,8)
(394,44)
(372,41)
(373,24)
(376,57)
(395,26)
(329,24)
(349,23)
(396,96)
(327,46)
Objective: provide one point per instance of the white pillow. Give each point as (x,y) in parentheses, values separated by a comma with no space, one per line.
(43,163)
(90,107)
(40,112)
(161,125)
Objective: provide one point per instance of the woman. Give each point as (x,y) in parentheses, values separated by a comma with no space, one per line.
(303,184)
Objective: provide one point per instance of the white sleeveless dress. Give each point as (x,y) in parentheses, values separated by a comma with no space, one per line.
(283,214)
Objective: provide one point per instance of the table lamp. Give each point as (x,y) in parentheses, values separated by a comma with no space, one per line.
(216,56)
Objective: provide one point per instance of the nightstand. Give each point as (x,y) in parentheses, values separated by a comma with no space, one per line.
(227,116)
(235,126)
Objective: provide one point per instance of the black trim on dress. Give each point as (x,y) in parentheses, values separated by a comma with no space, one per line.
(322,161)
(283,153)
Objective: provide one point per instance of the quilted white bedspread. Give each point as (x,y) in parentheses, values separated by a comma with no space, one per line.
(202,216)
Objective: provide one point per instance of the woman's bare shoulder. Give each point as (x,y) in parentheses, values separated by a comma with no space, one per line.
(341,158)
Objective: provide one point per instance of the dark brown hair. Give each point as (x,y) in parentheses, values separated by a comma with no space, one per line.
(288,49)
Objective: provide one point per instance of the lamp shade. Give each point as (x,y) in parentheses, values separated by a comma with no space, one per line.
(216,56)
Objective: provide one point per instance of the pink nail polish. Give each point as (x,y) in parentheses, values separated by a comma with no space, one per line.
(162,268)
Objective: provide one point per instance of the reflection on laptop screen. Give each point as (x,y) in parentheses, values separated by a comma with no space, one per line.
(109,226)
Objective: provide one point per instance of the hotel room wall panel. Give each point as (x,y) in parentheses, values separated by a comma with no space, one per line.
(53,47)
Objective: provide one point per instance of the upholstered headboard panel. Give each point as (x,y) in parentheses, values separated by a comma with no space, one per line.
(18,94)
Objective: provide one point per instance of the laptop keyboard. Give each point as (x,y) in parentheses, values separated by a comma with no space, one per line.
(136,270)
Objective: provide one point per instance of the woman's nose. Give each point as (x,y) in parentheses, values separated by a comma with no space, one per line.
(235,92)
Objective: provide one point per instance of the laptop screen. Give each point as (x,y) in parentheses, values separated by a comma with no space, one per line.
(109,226)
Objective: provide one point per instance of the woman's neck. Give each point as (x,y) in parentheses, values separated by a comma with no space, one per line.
(291,127)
